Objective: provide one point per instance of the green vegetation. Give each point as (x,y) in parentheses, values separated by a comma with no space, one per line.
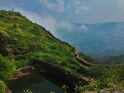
(103,77)
(24,39)
(21,40)
(88,58)
(119,59)
(7,68)
(2,87)
(27,91)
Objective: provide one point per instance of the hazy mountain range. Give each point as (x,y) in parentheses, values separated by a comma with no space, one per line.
(96,40)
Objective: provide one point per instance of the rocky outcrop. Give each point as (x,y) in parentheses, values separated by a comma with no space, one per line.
(70,78)
(112,90)
(4,43)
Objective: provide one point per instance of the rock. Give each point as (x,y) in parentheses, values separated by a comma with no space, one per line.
(90,92)
(3,43)
(111,91)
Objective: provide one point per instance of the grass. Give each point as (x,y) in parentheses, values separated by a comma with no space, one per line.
(21,39)
(28,39)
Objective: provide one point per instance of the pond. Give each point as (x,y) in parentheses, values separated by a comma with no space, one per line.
(36,82)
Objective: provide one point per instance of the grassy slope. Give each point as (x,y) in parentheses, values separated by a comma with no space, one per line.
(27,39)
(2,87)
(20,40)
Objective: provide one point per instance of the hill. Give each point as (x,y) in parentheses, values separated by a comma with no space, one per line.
(22,41)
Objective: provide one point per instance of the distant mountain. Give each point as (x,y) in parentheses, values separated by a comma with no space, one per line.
(114,59)
(97,40)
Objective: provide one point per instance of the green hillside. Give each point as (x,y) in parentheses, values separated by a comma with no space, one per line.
(21,40)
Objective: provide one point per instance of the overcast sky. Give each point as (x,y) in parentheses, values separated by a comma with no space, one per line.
(76,11)
(51,12)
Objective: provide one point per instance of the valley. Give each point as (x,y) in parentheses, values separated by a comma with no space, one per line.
(100,40)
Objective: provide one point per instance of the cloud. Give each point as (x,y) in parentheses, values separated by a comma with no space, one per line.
(80,6)
(54,6)
(46,21)
(84,8)
(75,11)
(65,25)
(77,2)
(122,1)
(84,27)
(49,22)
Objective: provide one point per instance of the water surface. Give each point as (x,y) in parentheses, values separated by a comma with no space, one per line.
(37,82)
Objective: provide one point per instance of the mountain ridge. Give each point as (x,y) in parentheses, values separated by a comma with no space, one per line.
(97,40)
(21,40)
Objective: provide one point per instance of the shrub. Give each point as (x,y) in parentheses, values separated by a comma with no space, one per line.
(2,87)
(7,68)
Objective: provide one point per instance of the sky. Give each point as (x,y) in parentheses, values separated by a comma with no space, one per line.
(54,14)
